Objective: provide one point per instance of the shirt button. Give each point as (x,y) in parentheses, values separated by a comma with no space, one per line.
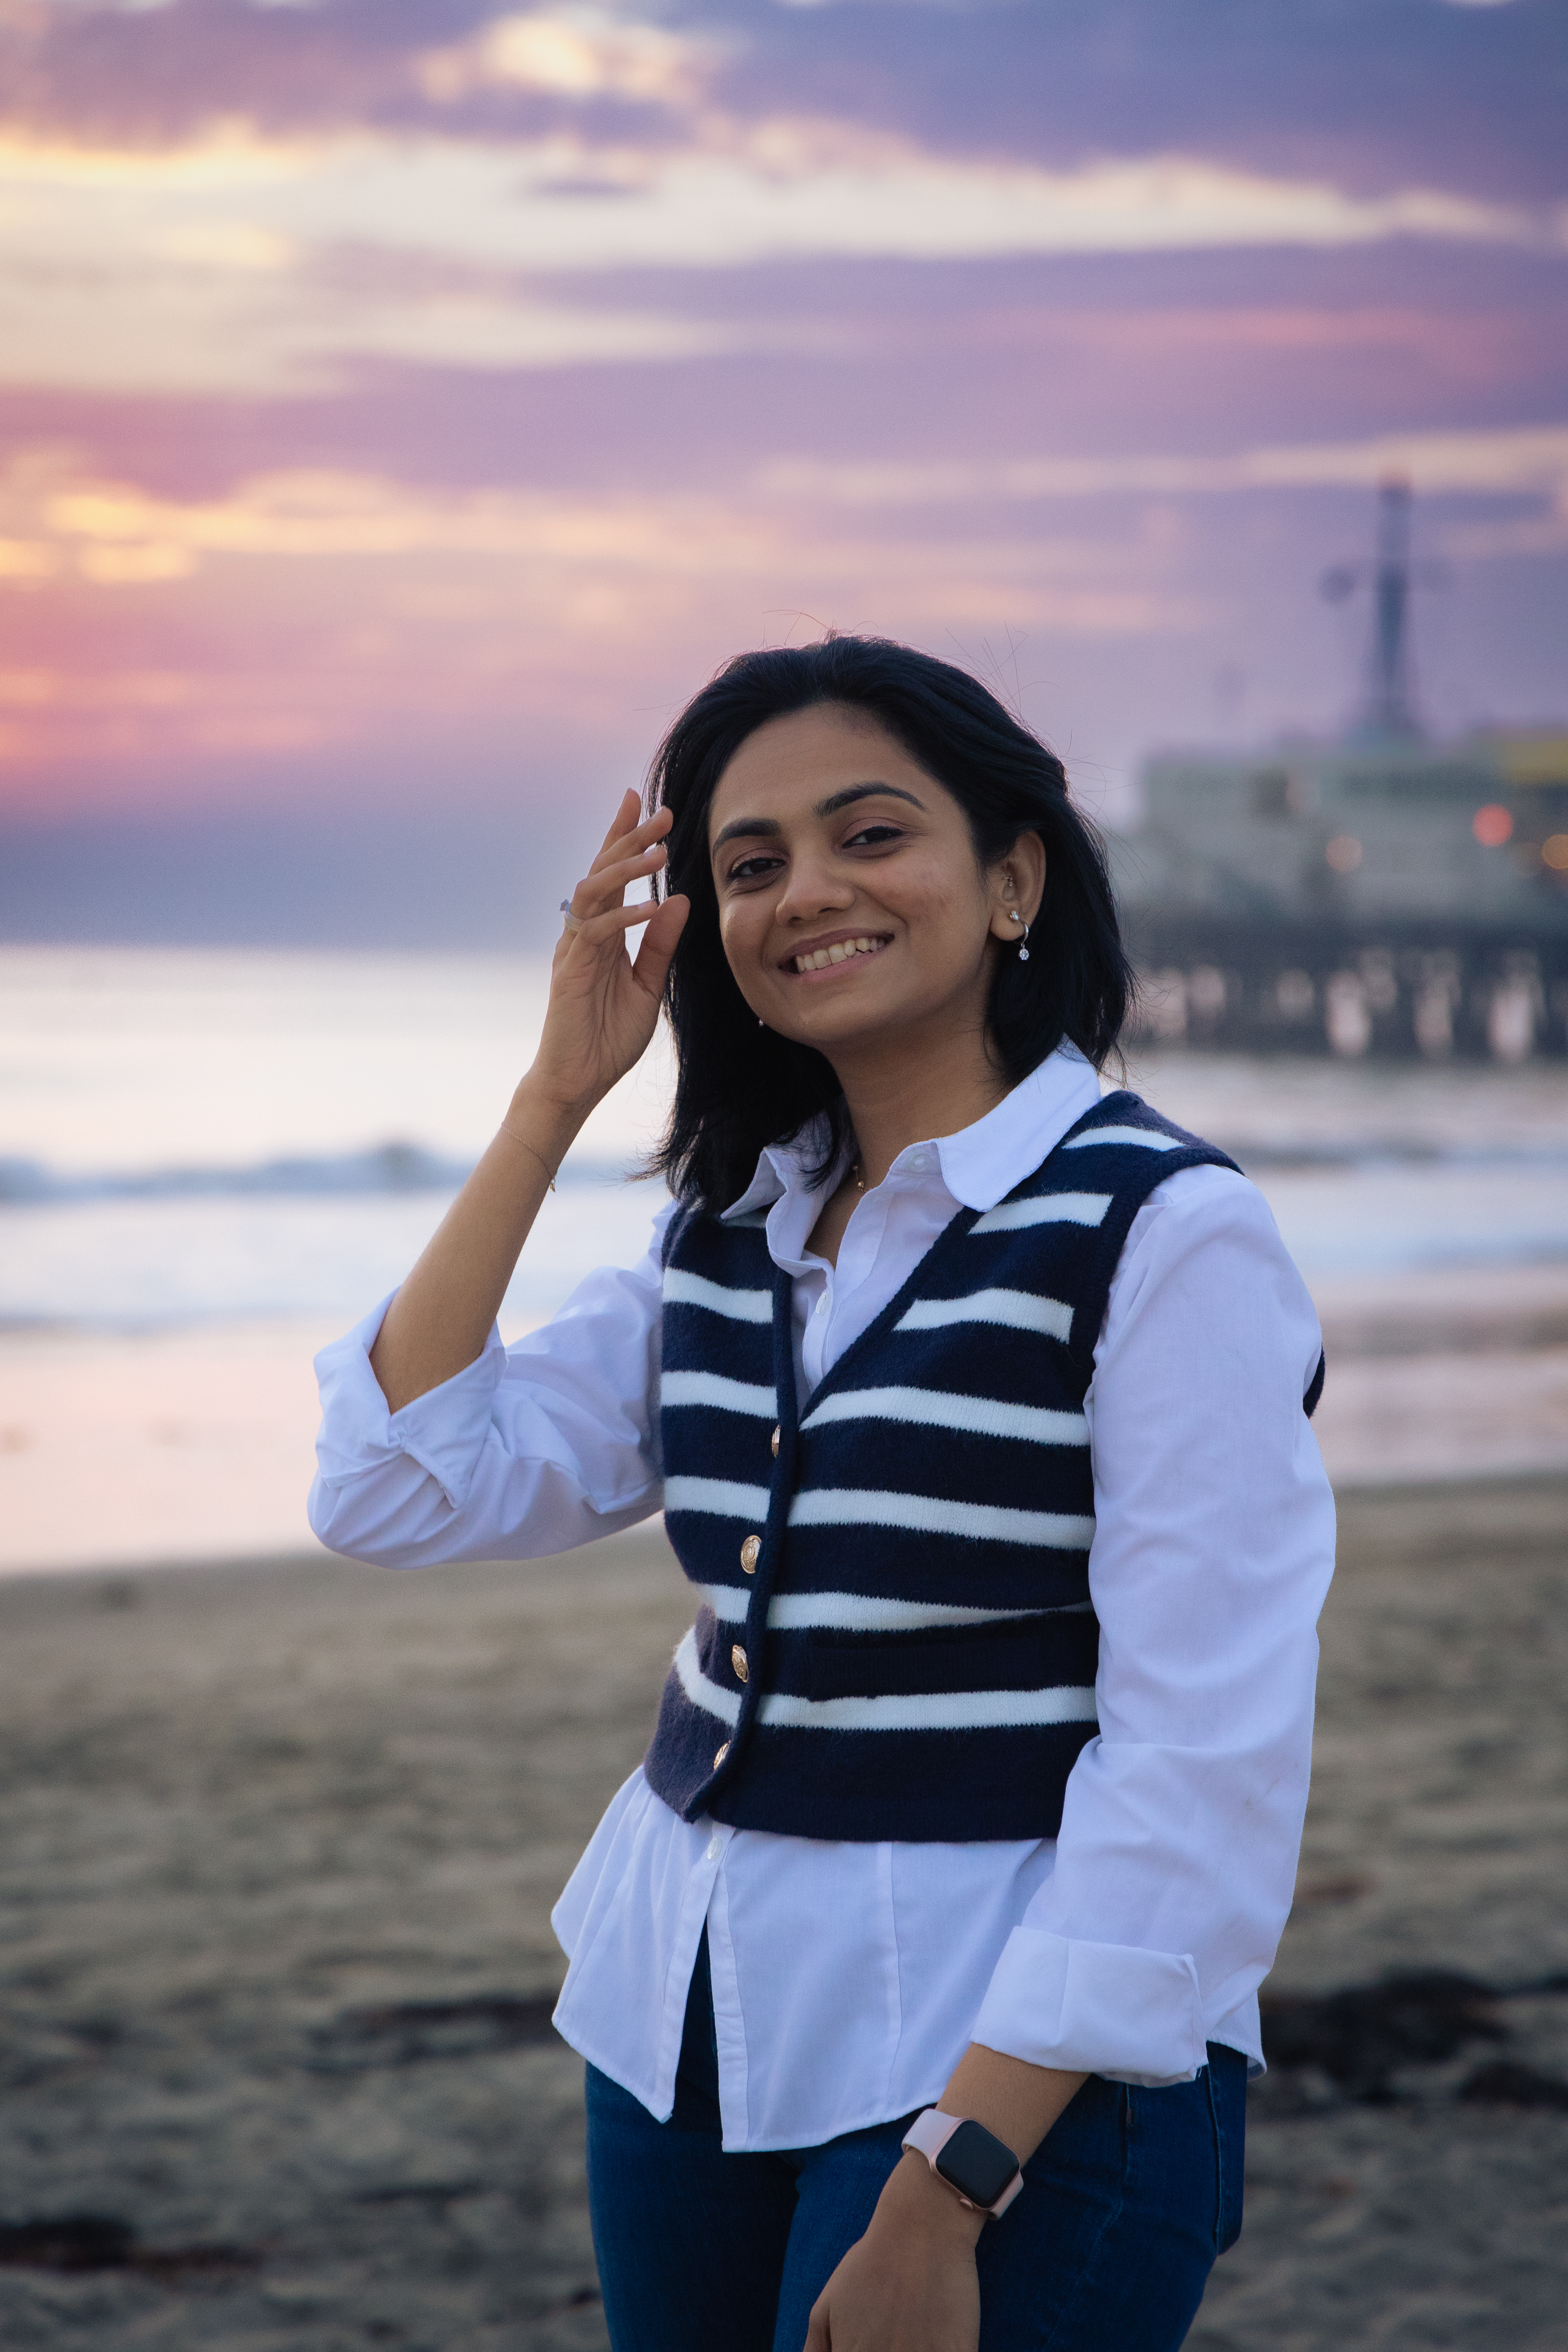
(738,1660)
(774,1441)
(751,1552)
(822,1304)
(714,1848)
(920,1161)
(719,1754)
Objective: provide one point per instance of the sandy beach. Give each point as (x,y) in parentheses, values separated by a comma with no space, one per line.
(281,1844)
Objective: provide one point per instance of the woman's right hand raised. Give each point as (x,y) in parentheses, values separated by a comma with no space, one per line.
(602,1005)
(600,1016)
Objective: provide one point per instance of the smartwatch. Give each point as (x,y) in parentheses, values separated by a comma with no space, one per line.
(973,2162)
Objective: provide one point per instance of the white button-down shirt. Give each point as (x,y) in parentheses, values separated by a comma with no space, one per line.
(849,1979)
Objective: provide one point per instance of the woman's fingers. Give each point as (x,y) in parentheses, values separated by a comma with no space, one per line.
(650,968)
(625,852)
(626,841)
(598,892)
(602,881)
(592,930)
(633,852)
(627,821)
(623,822)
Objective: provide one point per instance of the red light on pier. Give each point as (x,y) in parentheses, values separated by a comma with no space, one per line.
(1492,825)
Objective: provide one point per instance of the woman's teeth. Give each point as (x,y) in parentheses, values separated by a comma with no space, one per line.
(839,954)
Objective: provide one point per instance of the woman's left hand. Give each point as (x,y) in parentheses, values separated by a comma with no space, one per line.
(909,2285)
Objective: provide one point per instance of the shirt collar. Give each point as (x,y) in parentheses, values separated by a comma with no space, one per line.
(781,1169)
(981,1164)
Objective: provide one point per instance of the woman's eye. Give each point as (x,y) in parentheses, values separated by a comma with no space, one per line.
(750,869)
(872,836)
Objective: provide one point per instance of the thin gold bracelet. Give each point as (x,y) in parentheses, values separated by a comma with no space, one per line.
(530,1148)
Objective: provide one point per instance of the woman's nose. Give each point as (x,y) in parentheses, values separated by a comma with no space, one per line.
(813,888)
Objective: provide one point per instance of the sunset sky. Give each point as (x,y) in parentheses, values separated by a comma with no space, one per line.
(405,404)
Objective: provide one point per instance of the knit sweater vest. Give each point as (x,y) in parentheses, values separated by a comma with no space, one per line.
(896,1638)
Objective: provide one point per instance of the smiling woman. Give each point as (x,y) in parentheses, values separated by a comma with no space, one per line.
(814,768)
(973,1400)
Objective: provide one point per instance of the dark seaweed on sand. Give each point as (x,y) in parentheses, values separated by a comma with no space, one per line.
(1362,2035)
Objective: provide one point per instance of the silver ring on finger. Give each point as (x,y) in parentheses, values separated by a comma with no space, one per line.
(572,922)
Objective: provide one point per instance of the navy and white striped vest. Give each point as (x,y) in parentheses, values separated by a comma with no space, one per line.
(896,1639)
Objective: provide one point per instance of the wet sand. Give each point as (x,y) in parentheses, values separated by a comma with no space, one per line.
(278,1848)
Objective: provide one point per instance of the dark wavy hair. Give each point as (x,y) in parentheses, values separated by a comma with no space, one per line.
(739,1086)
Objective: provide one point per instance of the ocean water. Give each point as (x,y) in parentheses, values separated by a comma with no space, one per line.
(212,1164)
(193,1139)
(202,1138)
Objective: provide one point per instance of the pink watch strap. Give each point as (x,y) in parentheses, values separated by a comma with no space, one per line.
(929,2134)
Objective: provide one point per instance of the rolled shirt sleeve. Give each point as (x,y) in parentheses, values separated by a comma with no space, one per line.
(530,1450)
(1213,1550)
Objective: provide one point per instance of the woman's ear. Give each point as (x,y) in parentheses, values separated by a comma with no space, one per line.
(1018,887)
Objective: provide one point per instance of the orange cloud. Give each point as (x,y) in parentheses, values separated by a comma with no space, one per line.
(579,53)
(265,265)
(312,608)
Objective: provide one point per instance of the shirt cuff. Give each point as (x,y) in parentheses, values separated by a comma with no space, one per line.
(444,1430)
(1095,2008)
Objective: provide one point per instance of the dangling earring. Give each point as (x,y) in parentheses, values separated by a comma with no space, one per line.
(1013,916)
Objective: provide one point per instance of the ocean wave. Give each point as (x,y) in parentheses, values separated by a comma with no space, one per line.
(1365,1156)
(399,1167)
(383,1169)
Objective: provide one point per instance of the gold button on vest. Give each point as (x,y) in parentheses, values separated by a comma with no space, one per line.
(719,1754)
(751,1552)
(773,1441)
(738,1660)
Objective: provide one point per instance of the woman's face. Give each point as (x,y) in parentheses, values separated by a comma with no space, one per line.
(850,904)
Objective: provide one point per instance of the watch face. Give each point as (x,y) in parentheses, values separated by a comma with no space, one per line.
(976,2164)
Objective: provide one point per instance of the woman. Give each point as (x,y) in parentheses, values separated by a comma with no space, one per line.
(974,1404)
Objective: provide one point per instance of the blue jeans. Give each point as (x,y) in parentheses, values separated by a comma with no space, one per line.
(1130,2197)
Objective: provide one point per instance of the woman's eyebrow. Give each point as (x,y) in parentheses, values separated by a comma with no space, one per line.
(751,827)
(837,801)
(743,827)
